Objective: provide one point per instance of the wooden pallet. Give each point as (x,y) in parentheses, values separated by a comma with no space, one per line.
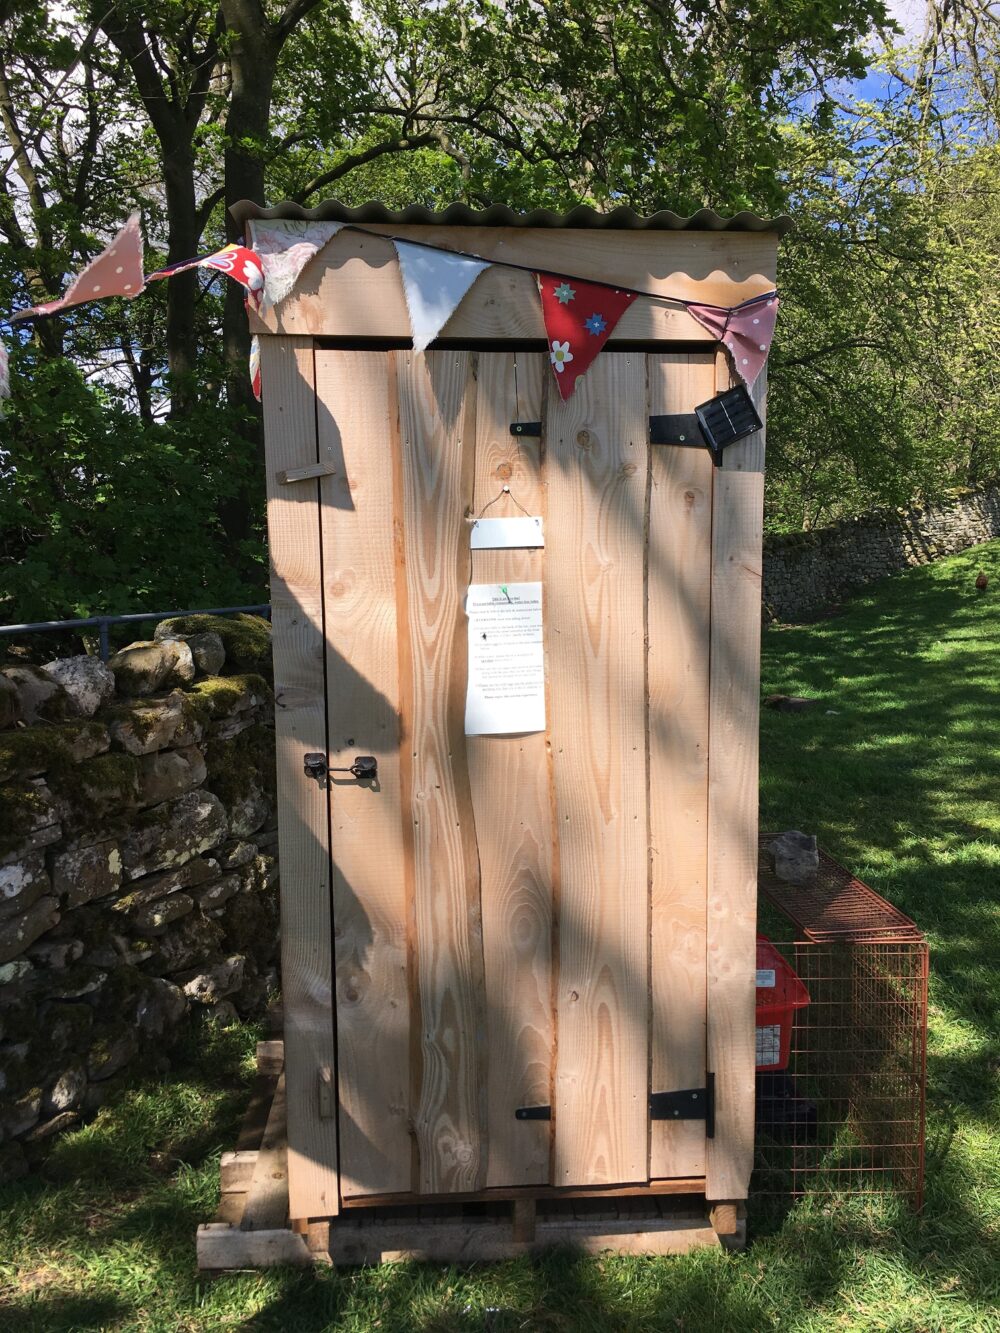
(252,1229)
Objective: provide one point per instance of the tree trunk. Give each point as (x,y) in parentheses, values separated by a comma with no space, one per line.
(183,240)
(253,59)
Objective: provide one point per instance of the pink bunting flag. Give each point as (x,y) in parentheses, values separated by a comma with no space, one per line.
(579,318)
(236,261)
(117,271)
(745,332)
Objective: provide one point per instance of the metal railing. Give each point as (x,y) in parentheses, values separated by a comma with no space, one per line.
(103,623)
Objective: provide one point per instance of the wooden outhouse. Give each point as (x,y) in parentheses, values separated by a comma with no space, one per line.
(515,966)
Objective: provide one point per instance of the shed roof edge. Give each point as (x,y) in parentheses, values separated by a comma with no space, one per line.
(499,215)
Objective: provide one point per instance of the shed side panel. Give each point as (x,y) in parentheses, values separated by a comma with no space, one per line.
(679,590)
(300,726)
(366,828)
(596,467)
(437,441)
(737,536)
(512,798)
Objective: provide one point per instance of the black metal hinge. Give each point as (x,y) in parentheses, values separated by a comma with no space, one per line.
(525,428)
(680,428)
(689,1104)
(723,420)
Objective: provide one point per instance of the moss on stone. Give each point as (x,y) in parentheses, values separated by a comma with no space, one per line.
(247,639)
(20,810)
(106,784)
(219,696)
(141,716)
(241,763)
(42,749)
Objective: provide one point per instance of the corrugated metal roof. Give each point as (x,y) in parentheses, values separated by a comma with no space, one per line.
(499,215)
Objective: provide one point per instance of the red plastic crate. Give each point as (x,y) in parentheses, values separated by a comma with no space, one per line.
(777,999)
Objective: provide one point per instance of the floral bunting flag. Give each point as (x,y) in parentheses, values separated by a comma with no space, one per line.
(285,246)
(579,318)
(745,332)
(434,282)
(236,261)
(117,271)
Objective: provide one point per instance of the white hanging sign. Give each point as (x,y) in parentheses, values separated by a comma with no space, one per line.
(499,534)
(506,690)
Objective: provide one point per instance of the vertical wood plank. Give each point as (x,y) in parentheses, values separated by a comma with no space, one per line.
(510,793)
(737,534)
(437,440)
(366,829)
(300,725)
(596,468)
(679,609)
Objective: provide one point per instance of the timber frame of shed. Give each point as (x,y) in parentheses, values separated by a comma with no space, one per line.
(515,968)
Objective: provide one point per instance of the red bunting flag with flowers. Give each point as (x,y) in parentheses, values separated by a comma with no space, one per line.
(237,261)
(579,318)
(745,331)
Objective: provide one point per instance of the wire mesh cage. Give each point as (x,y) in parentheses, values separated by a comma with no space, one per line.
(841,1109)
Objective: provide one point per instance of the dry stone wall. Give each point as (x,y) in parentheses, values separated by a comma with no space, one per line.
(138,862)
(804,572)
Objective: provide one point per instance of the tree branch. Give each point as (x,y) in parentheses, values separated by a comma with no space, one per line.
(206,207)
(781,363)
(293,14)
(22,158)
(402,144)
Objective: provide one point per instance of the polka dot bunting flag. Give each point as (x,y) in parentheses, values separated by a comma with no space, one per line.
(745,332)
(117,271)
(579,318)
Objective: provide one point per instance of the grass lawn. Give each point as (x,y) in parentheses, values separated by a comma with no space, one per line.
(898,771)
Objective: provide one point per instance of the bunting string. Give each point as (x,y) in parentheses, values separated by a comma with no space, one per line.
(533,269)
(579,314)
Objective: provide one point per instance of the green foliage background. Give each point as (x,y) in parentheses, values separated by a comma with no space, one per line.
(130,457)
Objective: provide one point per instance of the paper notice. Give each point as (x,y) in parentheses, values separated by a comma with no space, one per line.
(496,534)
(506,691)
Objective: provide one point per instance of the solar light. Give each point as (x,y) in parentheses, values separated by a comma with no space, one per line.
(726,418)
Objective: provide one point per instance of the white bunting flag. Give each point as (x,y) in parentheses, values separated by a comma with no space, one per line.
(434,282)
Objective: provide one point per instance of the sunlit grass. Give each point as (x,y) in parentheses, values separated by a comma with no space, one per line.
(902,782)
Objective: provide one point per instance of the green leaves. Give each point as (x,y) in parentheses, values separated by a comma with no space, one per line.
(884,377)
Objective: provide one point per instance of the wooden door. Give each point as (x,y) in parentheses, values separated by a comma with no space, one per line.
(519,921)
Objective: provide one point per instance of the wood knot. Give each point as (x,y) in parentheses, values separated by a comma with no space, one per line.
(629,469)
(505,471)
(584,439)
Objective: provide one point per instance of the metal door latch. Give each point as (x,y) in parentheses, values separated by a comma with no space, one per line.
(364,768)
